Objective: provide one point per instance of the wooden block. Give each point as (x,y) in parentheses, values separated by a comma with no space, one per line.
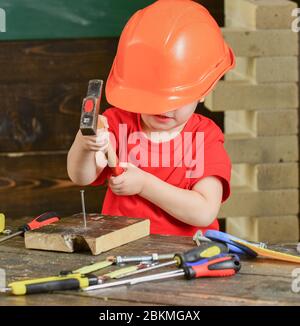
(247,202)
(262,43)
(243,149)
(262,123)
(260,14)
(265,69)
(102,233)
(242,95)
(266,176)
(275,229)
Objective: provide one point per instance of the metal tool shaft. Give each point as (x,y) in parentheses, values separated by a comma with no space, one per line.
(150,268)
(83,207)
(145,258)
(11,236)
(136,280)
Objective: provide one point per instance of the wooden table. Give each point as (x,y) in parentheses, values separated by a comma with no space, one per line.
(260,281)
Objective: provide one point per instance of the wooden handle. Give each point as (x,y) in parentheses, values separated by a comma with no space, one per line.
(112,158)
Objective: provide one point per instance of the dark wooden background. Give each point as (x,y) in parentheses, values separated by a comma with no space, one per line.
(42,84)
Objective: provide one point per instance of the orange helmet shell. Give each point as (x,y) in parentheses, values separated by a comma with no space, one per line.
(170,54)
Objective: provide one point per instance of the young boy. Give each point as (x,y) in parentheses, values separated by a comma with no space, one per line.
(177,172)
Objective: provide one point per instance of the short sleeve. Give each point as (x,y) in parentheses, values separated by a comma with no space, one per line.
(216,161)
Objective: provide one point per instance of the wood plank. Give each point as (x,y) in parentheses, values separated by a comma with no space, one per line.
(260,282)
(40,117)
(56,61)
(62,299)
(38,181)
(102,233)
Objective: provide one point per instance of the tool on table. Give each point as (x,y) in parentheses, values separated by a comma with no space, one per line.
(2,226)
(2,222)
(79,278)
(49,284)
(199,238)
(212,249)
(227,265)
(93,267)
(40,221)
(89,120)
(146,258)
(229,240)
(268,253)
(123,272)
(83,208)
(110,261)
(67,280)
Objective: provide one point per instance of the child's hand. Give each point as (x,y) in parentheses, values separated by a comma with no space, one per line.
(98,142)
(130,182)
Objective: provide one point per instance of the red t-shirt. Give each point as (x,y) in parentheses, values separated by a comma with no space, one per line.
(214,162)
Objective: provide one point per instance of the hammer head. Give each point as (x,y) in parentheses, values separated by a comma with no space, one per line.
(90,108)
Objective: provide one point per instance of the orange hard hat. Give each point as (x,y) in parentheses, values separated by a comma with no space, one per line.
(170,54)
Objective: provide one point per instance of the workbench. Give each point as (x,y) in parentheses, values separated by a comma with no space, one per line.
(260,281)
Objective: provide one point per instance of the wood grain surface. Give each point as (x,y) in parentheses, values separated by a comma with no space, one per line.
(260,281)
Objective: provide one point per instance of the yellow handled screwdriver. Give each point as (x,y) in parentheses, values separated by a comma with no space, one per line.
(49,284)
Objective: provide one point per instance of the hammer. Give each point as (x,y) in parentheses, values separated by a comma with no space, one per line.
(89,121)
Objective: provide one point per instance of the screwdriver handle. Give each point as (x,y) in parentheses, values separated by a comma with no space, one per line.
(218,267)
(40,221)
(55,283)
(205,250)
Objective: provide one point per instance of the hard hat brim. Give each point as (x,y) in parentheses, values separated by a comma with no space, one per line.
(145,102)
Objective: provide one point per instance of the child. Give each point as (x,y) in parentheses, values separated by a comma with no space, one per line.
(177,172)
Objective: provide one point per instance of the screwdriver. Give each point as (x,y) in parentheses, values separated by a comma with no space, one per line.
(212,249)
(40,221)
(80,278)
(146,258)
(49,284)
(205,250)
(65,281)
(227,265)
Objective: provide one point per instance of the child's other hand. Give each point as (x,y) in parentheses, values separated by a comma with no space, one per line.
(98,142)
(130,182)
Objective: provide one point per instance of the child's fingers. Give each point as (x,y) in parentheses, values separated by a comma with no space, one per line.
(102,122)
(102,138)
(116,190)
(117,180)
(126,165)
(97,147)
(96,143)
